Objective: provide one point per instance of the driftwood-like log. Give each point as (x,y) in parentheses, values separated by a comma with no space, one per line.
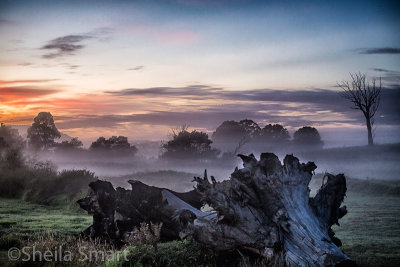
(265,208)
(116,212)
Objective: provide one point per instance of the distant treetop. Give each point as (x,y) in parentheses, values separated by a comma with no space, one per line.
(188,145)
(117,144)
(43,131)
(307,137)
(274,133)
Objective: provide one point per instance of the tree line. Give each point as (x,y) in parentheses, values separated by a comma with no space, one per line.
(229,137)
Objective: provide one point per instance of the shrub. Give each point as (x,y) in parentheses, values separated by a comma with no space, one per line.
(146,234)
(56,189)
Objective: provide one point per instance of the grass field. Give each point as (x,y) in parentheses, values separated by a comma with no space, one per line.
(370,232)
(20,220)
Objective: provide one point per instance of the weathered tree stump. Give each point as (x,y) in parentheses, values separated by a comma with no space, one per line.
(265,207)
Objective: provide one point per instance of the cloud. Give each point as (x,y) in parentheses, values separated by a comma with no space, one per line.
(137,68)
(316,96)
(380,50)
(6,22)
(24,64)
(8,94)
(381,70)
(207,118)
(69,44)
(201,106)
(65,45)
(291,106)
(2,82)
(70,66)
(391,78)
(102,34)
(187,91)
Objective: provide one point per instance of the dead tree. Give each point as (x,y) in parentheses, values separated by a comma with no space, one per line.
(264,208)
(365,97)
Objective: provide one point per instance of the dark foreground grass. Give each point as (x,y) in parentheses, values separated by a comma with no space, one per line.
(370,232)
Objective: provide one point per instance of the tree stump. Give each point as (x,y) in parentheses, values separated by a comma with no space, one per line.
(265,208)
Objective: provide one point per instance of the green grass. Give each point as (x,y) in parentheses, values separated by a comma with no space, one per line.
(24,218)
(370,232)
(21,220)
(175,253)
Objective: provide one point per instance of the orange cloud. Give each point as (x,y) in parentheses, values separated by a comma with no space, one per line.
(10,94)
(2,82)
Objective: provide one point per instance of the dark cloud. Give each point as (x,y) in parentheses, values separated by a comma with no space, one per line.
(391,78)
(318,96)
(209,118)
(6,21)
(291,107)
(137,68)
(187,91)
(380,50)
(69,44)
(381,70)
(65,45)
(203,119)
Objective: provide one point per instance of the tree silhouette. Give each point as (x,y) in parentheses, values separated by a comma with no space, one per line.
(365,96)
(233,132)
(185,144)
(251,127)
(11,145)
(229,132)
(115,144)
(43,131)
(3,144)
(307,137)
(275,133)
(72,144)
(10,138)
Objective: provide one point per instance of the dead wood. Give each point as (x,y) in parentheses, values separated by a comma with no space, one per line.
(265,207)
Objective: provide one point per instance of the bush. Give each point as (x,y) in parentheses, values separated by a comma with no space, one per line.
(40,183)
(14,181)
(58,189)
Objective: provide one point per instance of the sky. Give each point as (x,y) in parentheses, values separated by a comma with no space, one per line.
(140,68)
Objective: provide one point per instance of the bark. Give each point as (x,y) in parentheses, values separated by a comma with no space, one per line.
(369,129)
(264,208)
(117,211)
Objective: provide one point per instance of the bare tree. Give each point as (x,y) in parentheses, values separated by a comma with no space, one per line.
(365,96)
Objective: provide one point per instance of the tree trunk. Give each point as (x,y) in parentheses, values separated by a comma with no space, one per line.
(369,128)
(264,207)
